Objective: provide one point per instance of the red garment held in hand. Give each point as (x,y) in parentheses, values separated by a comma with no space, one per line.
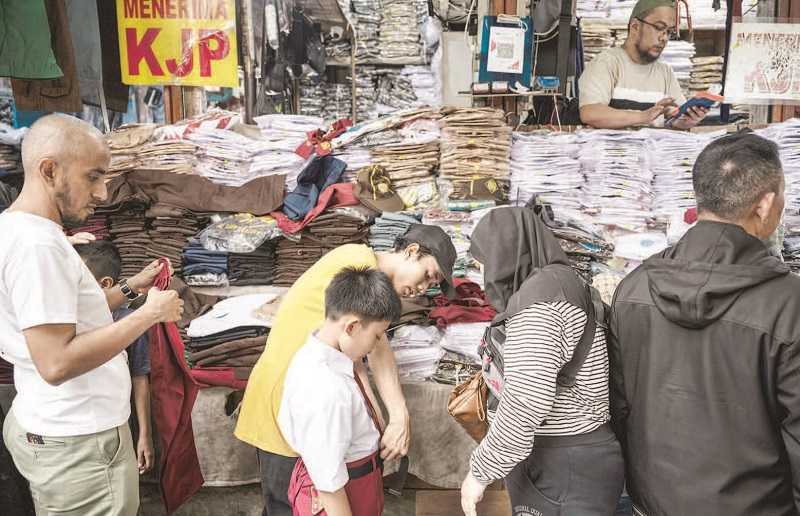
(173,395)
(470,305)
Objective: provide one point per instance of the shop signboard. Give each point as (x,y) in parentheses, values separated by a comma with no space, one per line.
(764,64)
(178,42)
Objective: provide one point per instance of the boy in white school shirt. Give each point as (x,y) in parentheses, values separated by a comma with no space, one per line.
(325,415)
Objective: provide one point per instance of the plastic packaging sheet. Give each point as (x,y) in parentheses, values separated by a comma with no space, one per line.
(240,233)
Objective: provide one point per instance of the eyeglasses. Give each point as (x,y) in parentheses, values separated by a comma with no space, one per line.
(661,29)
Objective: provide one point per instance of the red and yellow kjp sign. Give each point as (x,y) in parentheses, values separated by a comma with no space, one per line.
(179,42)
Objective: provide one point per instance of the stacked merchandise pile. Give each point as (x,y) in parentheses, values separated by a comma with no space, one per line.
(8,195)
(476,146)
(330,229)
(672,156)
(411,168)
(337,48)
(416,350)
(232,335)
(458,226)
(281,135)
(175,156)
(10,159)
(620,11)
(127,228)
(679,54)
(169,232)
(394,91)
(592,9)
(124,144)
(338,102)
(596,38)
(312,96)
(706,73)
(367,19)
(399,31)
(202,267)
(787,136)
(618,188)
(254,268)
(224,156)
(356,158)
(6,108)
(387,227)
(546,165)
(463,319)
(620,35)
(97,225)
(366,93)
(426,88)
(704,15)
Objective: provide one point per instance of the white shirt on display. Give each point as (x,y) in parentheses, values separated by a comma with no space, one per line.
(324,416)
(44,281)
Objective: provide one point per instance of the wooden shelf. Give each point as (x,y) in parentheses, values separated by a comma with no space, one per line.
(501,95)
(378,62)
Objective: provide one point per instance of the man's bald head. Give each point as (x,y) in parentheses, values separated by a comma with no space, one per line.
(62,138)
(65,161)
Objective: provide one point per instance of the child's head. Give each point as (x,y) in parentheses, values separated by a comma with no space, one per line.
(361,303)
(103,261)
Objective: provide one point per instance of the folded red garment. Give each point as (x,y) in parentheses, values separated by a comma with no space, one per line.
(335,196)
(218,377)
(469,305)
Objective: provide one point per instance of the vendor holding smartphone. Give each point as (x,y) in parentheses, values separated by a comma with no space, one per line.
(628,86)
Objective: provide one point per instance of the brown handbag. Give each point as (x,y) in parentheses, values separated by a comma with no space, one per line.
(467,404)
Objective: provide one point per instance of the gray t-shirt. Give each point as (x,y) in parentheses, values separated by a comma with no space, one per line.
(614,80)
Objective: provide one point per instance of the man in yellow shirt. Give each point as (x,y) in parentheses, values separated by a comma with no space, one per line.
(422,258)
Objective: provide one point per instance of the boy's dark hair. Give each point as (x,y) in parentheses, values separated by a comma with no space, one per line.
(102,259)
(734,172)
(402,242)
(366,293)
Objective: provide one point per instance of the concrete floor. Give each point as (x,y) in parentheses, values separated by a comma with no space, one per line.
(244,501)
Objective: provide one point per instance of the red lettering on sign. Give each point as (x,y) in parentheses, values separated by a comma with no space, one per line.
(138,50)
(183,12)
(184,67)
(131,9)
(158,8)
(144,5)
(170,4)
(207,55)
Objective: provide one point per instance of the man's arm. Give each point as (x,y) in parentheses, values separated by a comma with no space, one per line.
(140,283)
(60,355)
(788,392)
(397,434)
(602,116)
(141,400)
(336,503)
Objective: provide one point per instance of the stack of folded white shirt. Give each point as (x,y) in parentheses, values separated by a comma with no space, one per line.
(546,164)
(280,136)
(416,350)
(464,339)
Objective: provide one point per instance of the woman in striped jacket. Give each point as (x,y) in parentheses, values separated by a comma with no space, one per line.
(553,445)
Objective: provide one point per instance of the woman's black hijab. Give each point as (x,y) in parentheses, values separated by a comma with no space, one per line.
(523,262)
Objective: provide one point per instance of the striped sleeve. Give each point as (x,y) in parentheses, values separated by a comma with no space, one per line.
(533,354)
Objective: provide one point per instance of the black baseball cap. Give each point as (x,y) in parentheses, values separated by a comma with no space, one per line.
(441,247)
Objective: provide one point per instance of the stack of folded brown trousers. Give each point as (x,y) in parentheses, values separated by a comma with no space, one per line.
(170,231)
(476,143)
(408,164)
(256,268)
(329,230)
(127,229)
(235,353)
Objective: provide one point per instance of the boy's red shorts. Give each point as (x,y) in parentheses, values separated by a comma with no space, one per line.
(364,490)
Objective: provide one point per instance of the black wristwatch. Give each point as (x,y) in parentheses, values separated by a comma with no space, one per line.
(126,290)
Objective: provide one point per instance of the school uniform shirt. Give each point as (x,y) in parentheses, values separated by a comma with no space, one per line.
(324,416)
(139,351)
(540,340)
(613,79)
(44,281)
(301,312)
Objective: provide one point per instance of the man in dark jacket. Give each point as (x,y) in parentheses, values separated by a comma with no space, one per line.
(706,352)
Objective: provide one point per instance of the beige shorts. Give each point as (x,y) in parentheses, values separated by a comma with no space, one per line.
(83,475)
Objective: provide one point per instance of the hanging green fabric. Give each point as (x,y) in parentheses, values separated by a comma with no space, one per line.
(25,45)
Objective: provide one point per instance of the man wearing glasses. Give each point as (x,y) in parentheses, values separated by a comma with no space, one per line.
(628,86)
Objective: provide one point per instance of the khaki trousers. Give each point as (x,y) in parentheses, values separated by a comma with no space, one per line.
(83,475)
